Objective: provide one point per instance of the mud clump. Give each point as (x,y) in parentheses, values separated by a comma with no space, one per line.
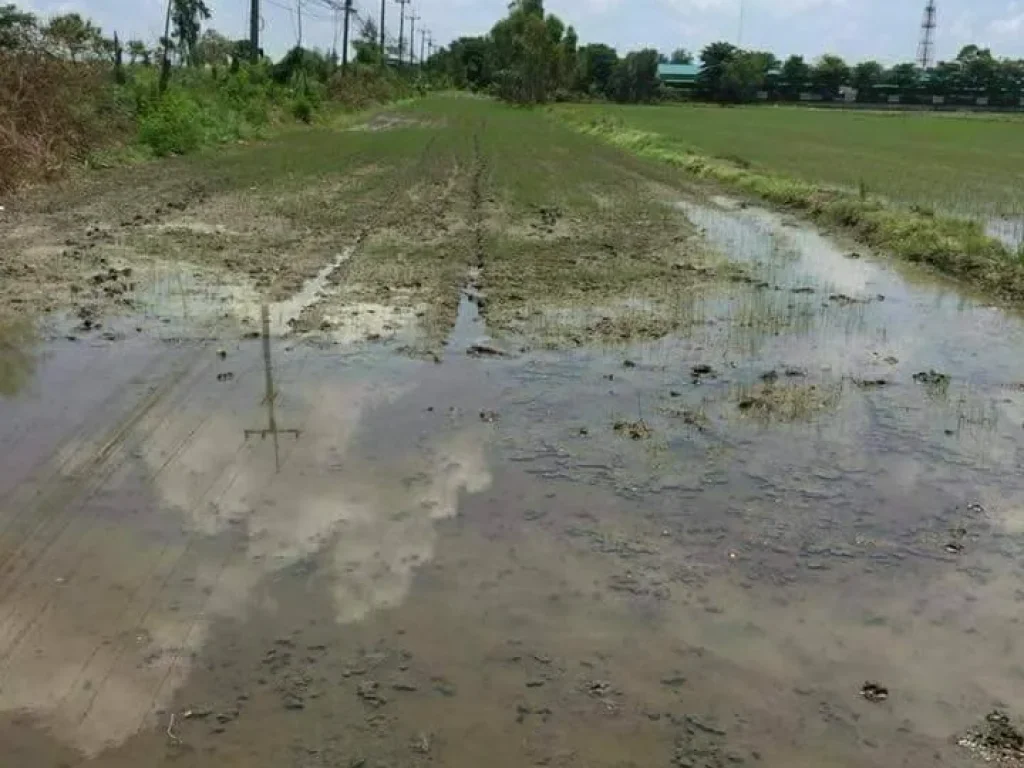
(869,383)
(932,378)
(771,401)
(700,372)
(485,350)
(874,692)
(995,740)
(635,430)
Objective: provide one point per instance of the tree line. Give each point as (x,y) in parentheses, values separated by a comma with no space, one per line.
(730,74)
(531,56)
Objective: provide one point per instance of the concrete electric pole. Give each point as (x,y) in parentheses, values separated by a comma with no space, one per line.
(348,11)
(413,18)
(254,30)
(401,29)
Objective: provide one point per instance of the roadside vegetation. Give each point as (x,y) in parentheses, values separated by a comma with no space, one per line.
(71,95)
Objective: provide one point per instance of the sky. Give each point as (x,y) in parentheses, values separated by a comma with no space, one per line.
(887,30)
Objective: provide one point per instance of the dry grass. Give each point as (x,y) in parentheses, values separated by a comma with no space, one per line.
(51,113)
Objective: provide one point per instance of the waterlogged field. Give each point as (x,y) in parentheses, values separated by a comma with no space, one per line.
(966,164)
(456,437)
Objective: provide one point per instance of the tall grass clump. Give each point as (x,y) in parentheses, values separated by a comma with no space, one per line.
(52,112)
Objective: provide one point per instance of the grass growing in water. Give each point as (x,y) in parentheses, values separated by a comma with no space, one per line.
(958,247)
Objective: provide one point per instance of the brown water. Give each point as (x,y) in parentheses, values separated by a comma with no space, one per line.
(466,564)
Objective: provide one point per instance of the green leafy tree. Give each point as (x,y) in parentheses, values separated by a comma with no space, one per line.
(681,56)
(796,74)
(595,65)
(71,36)
(744,76)
(213,49)
(904,76)
(635,78)
(830,74)
(18,30)
(367,44)
(187,17)
(138,52)
(714,59)
(865,76)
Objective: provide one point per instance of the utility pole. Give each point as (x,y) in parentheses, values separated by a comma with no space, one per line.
(254,30)
(349,10)
(165,61)
(298,12)
(423,46)
(401,30)
(413,18)
(383,53)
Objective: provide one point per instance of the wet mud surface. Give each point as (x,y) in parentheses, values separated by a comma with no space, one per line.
(785,532)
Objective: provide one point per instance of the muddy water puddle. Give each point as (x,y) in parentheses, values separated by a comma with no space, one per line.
(473,562)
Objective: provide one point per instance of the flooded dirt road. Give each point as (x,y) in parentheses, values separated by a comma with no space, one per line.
(732,493)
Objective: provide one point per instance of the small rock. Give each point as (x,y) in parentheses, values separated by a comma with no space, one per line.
(225,376)
(222,353)
(584,431)
(628,364)
(702,369)
(489,416)
(674,393)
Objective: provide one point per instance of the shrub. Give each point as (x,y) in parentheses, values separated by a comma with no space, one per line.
(173,126)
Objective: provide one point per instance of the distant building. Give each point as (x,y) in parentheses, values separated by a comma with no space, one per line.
(679,75)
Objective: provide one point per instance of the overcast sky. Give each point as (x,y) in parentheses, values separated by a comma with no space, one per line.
(884,29)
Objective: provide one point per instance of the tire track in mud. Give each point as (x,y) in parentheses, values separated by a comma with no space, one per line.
(97,470)
(380,216)
(477,196)
(89,472)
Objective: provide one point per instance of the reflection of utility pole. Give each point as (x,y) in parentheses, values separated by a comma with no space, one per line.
(270,397)
(401,30)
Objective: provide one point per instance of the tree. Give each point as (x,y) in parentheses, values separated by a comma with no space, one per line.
(138,52)
(714,60)
(186,18)
(18,30)
(213,49)
(830,74)
(681,56)
(743,76)
(904,76)
(526,53)
(596,64)
(865,76)
(367,45)
(635,78)
(72,36)
(796,73)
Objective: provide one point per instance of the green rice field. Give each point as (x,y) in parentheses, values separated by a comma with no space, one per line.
(968,165)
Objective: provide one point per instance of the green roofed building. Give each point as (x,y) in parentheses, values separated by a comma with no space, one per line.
(678,75)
